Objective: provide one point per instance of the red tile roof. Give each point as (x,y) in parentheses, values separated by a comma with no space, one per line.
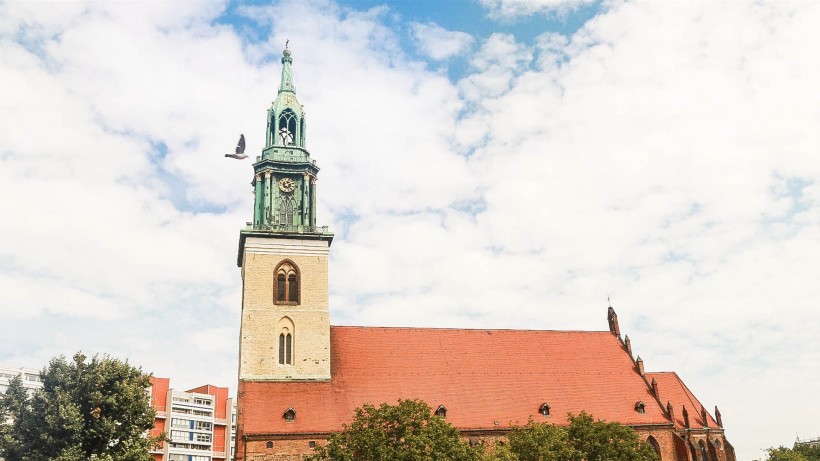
(672,389)
(487,379)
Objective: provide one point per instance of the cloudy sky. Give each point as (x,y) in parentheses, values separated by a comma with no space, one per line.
(485,163)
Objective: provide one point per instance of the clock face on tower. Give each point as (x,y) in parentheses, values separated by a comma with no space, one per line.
(287,185)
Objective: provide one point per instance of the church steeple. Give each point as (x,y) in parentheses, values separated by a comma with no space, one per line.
(285,332)
(285,176)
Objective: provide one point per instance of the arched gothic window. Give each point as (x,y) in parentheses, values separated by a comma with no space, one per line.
(544,409)
(655,446)
(287,127)
(290,415)
(286,287)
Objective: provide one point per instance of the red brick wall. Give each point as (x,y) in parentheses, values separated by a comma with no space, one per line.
(297,448)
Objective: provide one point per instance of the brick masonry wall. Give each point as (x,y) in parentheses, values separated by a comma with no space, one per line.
(262,319)
(299,448)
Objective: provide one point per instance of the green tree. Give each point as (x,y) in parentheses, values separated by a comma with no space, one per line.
(784,454)
(537,442)
(584,439)
(13,402)
(404,432)
(97,409)
(811,452)
(602,441)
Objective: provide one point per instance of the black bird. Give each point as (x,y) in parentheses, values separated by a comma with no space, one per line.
(240,149)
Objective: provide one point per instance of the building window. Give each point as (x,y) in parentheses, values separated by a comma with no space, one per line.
(285,348)
(269,445)
(290,415)
(640,407)
(655,446)
(312,444)
(286,210)
(287,127)
(441,411)
(704,455)
(286,283)
(544,409)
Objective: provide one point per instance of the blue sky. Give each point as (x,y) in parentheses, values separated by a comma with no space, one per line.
(663,154)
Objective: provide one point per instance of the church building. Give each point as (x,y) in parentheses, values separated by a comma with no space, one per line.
(300,378)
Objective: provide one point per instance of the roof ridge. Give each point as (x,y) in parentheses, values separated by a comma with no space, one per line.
(465,329)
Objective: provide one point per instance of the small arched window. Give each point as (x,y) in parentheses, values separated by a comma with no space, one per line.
(640,407)
(290,415)
(544,409)
(285,348)
(286,283)
(441,411)
(269,445)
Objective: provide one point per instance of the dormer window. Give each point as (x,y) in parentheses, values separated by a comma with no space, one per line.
(441,411)
(290,415)
(544,409)
(640,407)
(286,283)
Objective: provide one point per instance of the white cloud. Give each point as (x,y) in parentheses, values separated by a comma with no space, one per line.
(514,8)
(439,43)
(664,154)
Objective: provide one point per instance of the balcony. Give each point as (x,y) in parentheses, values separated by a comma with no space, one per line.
(288,229)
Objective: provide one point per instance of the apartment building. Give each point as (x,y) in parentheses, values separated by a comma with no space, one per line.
(199,423)
(30,377)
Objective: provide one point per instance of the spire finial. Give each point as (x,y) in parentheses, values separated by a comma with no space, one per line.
(286,83)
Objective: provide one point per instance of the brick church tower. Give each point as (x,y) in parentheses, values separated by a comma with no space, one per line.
(285,332)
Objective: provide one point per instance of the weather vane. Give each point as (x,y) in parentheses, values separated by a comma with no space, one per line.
(286,43)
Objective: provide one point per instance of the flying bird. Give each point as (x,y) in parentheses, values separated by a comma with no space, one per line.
(240,149)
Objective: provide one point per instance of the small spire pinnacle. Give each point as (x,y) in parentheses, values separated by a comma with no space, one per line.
(286,83)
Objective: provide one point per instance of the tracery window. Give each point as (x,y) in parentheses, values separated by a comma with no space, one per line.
(286,283)
(287,127)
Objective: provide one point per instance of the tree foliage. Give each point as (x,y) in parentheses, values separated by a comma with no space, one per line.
(602,441)
(798,453)
(584,439)
(97,409)
(407,431)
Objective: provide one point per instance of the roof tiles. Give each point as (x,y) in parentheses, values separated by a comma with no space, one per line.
(672,389)
(487,379)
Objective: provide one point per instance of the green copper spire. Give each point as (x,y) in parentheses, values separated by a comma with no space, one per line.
(285,175)
(287,74)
